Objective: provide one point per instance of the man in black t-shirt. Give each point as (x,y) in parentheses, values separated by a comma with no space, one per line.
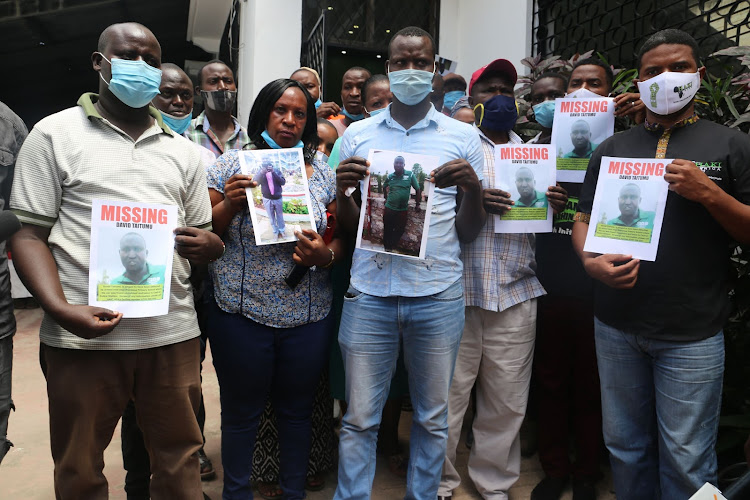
(658,324)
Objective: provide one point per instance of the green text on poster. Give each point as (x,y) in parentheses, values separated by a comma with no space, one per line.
(130,293)
(637,234)
(572,163)
(525,213)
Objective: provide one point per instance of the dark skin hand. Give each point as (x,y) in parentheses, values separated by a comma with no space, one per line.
(198,245)
(233,200)
(327,109)
(311,250)
(497,201)
(630,104)
(38,271)
(603,267)
(348,174)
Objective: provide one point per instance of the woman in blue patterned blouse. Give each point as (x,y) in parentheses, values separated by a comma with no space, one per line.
(269,340)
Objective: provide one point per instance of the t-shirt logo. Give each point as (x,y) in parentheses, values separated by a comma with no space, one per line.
(153,280)
(654,88)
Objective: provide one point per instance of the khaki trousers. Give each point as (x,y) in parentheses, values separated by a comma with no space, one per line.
(88,391)
(496,352)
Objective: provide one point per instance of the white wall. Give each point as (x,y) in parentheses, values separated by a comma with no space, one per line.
(270,43)
(476,32)
(206,21)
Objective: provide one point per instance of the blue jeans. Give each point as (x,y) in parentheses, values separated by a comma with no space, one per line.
(660,407)
(274,209)
(6,403)
(255,362)
(371,327)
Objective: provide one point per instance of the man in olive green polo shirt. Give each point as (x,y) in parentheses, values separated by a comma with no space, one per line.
(630,213)
(133,254)
(580,136)
(397,191)
(526,186)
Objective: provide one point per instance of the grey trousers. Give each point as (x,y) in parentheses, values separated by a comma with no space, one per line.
(496,352)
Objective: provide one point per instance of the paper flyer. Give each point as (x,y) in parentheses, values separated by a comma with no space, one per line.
(525,171)
(131,253)
(280,204)
(580,125)
(628,209)
(397,203)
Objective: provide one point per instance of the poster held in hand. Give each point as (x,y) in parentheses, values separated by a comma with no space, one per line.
(580,125)
(280,204)
(628,209)
(131,254)
(525,171)
(396,203)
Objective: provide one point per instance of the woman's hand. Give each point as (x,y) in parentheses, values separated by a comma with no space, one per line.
(234,191)
(311,250)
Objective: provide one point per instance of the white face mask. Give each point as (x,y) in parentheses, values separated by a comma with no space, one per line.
(669,92)
(583,92)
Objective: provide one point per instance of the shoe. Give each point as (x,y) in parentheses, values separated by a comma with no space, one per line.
(549,488)
(584,490)
(207,468)
(269,491)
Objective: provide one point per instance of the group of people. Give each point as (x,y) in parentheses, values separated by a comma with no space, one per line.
(483,312)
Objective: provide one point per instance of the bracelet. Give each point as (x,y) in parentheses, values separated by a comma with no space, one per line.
(582,217)
(330,263)
(223,251)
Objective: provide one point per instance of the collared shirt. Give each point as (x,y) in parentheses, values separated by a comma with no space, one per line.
(586,154)
(540,200)
(399,190)
(200,132)
(75,156)
(154,276)
(386,275)
(643,219)
(499,269)
(249,279)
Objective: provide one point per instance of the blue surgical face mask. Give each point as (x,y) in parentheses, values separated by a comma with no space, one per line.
(451,98)
(135,83)
(499,113)
(410,86)
(544,112)
(266,137)
(354,118)
(176,123)
(318,103)
(376,111)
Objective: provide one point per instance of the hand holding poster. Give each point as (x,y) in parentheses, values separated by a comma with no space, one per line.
(525,171)
(580,125)
(628,209)
(280,204)
(397,203)
(131,253)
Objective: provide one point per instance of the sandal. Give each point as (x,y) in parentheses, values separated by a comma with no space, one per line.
(315,482)
(398,464)
(269,491)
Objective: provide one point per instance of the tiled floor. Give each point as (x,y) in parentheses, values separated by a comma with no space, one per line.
(26,472)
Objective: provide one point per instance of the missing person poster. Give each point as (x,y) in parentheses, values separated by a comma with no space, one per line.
(397,203)
(628,209)
(580,125)
(280,204)
(131,253)
(525,171)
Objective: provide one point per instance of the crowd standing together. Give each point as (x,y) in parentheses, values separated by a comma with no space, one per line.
(476,320)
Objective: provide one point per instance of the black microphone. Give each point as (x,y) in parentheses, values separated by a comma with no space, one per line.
(295,275)
(9,224)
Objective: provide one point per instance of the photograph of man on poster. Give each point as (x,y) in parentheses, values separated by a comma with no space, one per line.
(133,255)
(397,192)
(526,186)
(271,182)
(629,201)
(580,136)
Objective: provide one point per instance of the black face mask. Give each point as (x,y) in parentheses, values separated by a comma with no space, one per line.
(221,101)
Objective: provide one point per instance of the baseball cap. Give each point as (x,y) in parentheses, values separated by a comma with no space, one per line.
(502,66)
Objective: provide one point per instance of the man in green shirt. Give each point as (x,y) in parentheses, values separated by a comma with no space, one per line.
(133,255)
(580,136)
(526,186)
(397,191)
(630,213)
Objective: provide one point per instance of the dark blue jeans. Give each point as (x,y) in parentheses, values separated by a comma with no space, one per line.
(255,362)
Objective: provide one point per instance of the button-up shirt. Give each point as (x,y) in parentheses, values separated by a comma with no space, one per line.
(386,275)
(200,132)
(499,268)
